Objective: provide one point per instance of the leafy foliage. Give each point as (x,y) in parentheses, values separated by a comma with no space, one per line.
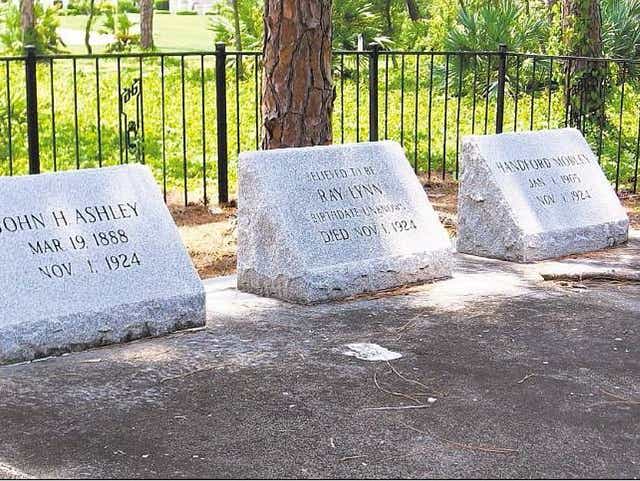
(119,25)
(490,24)
(44,36)
(221,23)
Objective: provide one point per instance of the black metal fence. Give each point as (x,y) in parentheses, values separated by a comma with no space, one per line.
(61,112)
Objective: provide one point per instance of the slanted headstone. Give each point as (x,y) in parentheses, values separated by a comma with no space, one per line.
(535,195)
(89,258)
(321,223)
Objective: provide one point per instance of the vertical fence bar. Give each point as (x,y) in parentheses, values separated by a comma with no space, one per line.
(98,119)
(32,109)
(75,113)
(533,93)
(635,171)
(238,60)
(9,114)
(549,82)
(53,117)
(357,96)
(429,117)
(118,66)
(416,106)
(567,91)
(184,132)
(459,95)
(203,116)
(473,95)
(386,96)
(373,91)
(619,152)
(221,117)
(164,130)
(516,95)
(444,122)
(342,98)
(141,99)
(502,77)
(402,67)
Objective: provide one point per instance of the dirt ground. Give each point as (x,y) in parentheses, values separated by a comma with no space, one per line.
(502,375)
(210,232)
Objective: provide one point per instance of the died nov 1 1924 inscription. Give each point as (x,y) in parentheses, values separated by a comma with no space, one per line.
(323,223)
(535,195)
(99,258)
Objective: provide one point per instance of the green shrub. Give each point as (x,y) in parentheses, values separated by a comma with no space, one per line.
(161,5)
(186,12)
(128,6)
(44,36)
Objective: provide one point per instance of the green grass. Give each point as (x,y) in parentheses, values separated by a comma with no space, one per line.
(170,32)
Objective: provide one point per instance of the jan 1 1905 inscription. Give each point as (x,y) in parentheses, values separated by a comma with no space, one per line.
(535,195)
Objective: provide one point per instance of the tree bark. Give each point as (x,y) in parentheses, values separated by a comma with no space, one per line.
(27,21)
(414,11)
(87,29)
(581,26)
(237,33)
(146,24)
(298,93)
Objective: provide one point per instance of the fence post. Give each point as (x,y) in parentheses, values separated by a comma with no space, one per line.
(31,84)
(502,74)
(374,52)
(221,118)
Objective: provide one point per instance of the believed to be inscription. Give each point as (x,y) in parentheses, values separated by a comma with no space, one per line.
(328,222)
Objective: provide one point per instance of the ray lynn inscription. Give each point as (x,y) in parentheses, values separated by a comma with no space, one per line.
(323,223)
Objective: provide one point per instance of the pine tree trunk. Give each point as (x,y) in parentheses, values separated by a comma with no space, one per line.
(146,24)
(298,93)
(27,21)
(237,34)
(414,11)
(87,29)
(581,25)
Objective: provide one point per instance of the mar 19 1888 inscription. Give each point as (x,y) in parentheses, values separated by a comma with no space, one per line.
(535,195)
(90,257)
(329,222)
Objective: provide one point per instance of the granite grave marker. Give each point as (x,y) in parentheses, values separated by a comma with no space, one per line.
(535,195)
(89,258)
(321,223)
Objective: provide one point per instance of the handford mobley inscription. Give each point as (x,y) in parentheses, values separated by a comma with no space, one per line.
(535,195)
(99,259)
(324,223)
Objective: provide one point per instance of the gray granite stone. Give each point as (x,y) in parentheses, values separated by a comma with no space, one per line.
(322,223)
(535,195)
(90,257)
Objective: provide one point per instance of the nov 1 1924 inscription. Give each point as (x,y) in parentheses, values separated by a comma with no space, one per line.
(321,223)
(89,258)
(535,195)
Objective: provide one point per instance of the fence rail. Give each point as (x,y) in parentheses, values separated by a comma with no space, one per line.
(61,112)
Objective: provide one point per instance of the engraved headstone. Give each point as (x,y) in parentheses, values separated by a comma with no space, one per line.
(321,223)
(89,258)
(535,195)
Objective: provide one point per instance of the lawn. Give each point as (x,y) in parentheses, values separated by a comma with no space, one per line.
(171,32)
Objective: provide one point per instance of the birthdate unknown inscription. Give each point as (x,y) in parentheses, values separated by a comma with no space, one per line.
(87,240)
(352,203)
(547,184)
